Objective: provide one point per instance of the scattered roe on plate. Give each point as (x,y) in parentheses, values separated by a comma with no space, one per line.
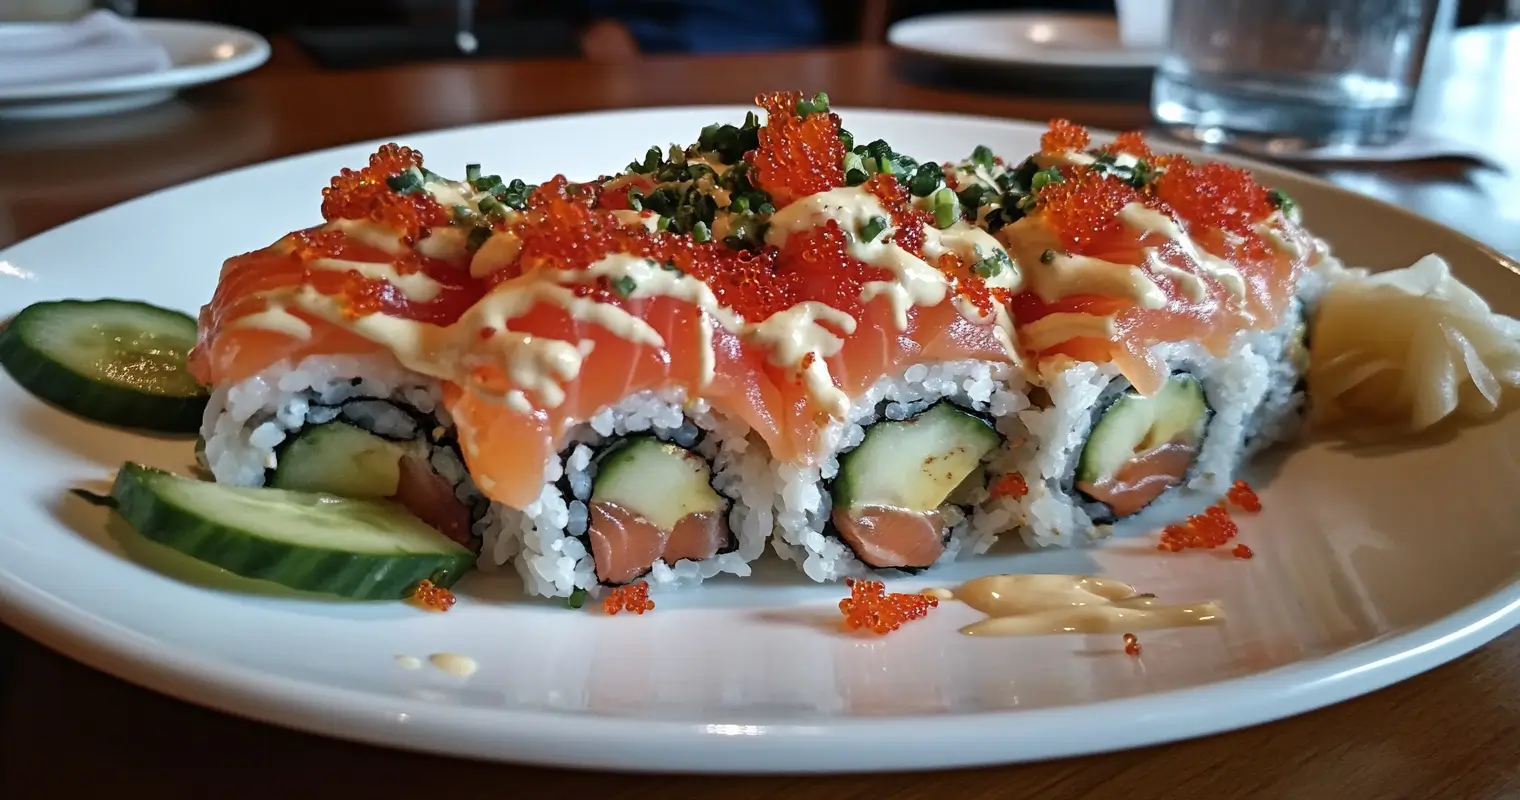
(432,597)
(365,194)
(1010,485)
(1213,528)
(1131,644)
(797,156)
(871,608)
(633,597)
(1241,494)
(1064,136)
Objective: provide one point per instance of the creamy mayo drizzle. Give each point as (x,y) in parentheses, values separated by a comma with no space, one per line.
(278,319)
(1192,286)
(897,297)
(1029,239)
(1031,605)
(416,285)
(452,193)
(454,663)
(647,220)
(408,662)
(971,244)
(444,242)
(515,299)
(1049,331)
(371,233)
(1282,242)
(1149,220)
(792,334)
(498,251)
(852,207)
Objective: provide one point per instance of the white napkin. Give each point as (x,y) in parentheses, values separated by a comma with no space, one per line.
(98,45)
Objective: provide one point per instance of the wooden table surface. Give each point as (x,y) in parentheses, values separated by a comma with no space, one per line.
(68,731)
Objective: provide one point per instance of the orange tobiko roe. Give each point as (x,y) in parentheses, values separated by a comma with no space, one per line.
(1243,496)
(364,194)
(1131,644)
(433,597)
(869,607)
(1129,143)
(633,597)
(797,156)
(1064,136)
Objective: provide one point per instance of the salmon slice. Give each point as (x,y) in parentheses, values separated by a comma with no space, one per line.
(431,499)
(625,545)
(892,538)
(1143,478)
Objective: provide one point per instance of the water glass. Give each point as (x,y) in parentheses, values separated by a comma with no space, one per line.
(1277,76)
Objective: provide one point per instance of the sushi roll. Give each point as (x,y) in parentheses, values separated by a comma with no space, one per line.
(1163,321)
(914,382)
(304,395)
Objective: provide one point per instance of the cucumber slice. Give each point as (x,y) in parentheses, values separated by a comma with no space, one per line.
(114,361)
(659,481)
(359,549)
(914,464)
(341,459)
(1135,424)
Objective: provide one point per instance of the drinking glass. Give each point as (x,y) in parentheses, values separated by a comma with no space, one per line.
(1277,76)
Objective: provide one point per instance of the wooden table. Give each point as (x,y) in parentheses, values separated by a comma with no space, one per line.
(71,732)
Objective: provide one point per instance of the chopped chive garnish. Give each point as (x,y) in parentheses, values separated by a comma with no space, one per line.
(1279,198)
(516,194)
(671,266)
(992,265)
(700,233)
(490,205)
(925,180)
(853,161)
(624,286)
(576,599)
(662,223)
(472,172)
(636,198)
(738,204)
(817,105)
(947,208)
(486,183)
(477,238)
(873,228)
(847,139)
(870,165)
(1047,257)
(1044,178)
(982,157)
(856,177)
(461,213)
(405,182)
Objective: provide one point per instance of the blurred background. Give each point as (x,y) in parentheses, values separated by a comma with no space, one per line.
(352,33)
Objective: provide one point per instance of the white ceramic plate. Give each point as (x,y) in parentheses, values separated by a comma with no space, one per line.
(1022,39)
(199,53)
(1371,565)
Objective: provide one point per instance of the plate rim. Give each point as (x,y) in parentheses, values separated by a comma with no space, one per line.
(541,737)
(1122,60)
(175,77)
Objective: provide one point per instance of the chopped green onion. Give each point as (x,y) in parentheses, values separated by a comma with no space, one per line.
(624,286)
(1044,178)
(1279,198)
(870,165)
(853,161)
(471,172)
(576,599)
(738,204)
(516,194)
(671,266)
(636,198)
(992,265)
(925,180)
(766,207)
(490,205)
(947,208)
(405,182)
(973,197)
(847,139)
(1048,257)
(477,238)
(461,213)
(486,183)
(662,223)
(856,177)
(982,157)
(873,228)
(817,105)
(700,233)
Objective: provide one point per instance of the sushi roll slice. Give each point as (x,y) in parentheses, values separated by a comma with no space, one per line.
(306,392)
(1162,318)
